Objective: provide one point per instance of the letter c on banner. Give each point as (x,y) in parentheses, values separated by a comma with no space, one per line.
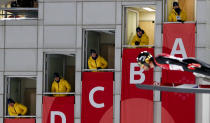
(91,94)
(133,73)
(61,114)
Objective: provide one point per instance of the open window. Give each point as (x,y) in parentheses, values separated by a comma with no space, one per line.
(103,41)
(188,6)
(62,64)
(139,16)
(18,9)
(23,91)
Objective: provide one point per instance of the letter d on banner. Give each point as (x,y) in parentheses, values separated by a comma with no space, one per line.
(54,113)
(133,73)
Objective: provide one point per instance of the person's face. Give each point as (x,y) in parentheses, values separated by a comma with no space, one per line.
(146,68)
(93,55)
(175,7)
(11,104)
(57,78)
(139,33)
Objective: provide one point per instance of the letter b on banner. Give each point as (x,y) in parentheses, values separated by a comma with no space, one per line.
(134,73)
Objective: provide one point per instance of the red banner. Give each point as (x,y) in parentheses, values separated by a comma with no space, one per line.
(179,41)
(58,109)
(137,104)
(31,120)
(97,97)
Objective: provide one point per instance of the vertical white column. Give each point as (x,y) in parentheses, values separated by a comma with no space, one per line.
(117,82)
(158,50)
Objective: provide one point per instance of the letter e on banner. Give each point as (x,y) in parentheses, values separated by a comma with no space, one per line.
(134,72)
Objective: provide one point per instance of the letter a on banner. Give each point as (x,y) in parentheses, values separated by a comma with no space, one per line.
(179,41)
(97,97)
(182,50)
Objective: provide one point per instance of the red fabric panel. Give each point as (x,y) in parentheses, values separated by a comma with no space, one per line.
(21,120)
(136,104)
(99,108)
(61,105)
(178,107)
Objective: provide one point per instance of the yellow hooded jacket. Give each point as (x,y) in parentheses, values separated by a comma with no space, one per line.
(99,62)
(60,87)
(174,15)
(144,40)
(17,109)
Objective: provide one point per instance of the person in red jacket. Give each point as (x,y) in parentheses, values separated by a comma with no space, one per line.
(165,61)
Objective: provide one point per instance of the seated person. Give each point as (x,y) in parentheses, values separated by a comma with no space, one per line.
(60,85)
(140,39)
(16,109)
(96,62)
(177,15)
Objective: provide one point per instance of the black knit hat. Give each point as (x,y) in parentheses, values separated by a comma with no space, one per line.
(175,4)
(56,75)
(92,51)
(138,29)
(10,101)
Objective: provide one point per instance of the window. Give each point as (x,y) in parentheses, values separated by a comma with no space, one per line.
(103,42)
(188,6)
(62,64)
(18,9)
(143,17)
(23,91)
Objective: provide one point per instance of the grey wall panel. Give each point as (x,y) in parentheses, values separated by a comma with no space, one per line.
(40,60)
(60,13)
(202,35)
(1,105)
(59,37)
(98,13)
(158,35)
(201,11)
(117,83)
(39,105)
(203,54)
(20,59)
(79,13)
(1,59)
(1,83)
(2,36)
(21,37)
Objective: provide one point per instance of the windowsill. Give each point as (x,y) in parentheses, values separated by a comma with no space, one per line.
(25,116)
(52,93)
(98,70)
(142,46)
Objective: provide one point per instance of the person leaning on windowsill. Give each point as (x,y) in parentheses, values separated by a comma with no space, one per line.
(177,15)
(60,85)
(16,109)
(140,39)
(96,61)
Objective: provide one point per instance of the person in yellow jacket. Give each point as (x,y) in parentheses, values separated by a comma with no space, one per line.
(140,38)
(60,85)
(96,62)
(16,109)
(177,15)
